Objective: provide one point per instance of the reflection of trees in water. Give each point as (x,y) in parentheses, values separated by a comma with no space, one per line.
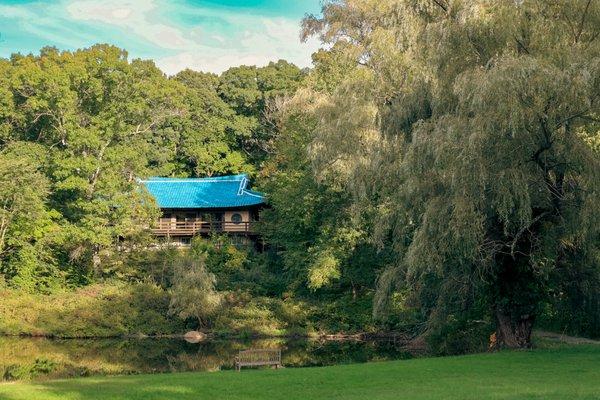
(78,357)
(330,352)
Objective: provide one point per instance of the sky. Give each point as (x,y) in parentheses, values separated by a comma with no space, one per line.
(204,35)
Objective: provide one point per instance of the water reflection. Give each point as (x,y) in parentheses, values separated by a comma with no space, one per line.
(24,358)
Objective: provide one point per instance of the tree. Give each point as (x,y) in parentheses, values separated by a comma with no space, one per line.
(25,221)
(95,113)
(311,225)
(193,293)
(100,122)
(207,145)
(249,90)
(466,124)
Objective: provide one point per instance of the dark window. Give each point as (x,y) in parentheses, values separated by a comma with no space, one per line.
(236,218)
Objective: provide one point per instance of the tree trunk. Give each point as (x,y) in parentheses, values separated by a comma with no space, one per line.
(513,333)
(96,261)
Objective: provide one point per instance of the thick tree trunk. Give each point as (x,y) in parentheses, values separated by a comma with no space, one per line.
(513,333)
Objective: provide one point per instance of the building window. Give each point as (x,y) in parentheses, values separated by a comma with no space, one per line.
(236,218)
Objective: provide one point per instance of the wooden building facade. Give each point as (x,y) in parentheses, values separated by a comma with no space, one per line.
(202,206)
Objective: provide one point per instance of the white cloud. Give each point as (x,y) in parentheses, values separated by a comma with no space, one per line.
(122,13)
(45,22)
(14,12)
(137,16)
(176,34)
(270,40)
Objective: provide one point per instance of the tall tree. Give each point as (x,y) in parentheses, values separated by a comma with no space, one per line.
(311,225)
(465,124)
(208,145)
(28,229)
(95,114)
(87,124)
(248,90)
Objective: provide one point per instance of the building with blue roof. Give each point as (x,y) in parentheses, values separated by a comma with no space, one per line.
(199,206)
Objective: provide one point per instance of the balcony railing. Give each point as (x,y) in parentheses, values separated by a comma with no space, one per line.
(191,228)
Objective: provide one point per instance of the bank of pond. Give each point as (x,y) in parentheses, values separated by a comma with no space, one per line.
(44,358)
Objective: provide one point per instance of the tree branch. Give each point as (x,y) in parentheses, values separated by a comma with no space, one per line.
(441,5)
(583,16)
(522,231)
(521,45)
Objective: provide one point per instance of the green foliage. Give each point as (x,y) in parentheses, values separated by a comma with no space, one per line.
(238,267)
(193,293)
(324,269)
(207,145)
(40,366)
(249,91)
(573,305)
(312,227)
(341,313)
(247,314)
(77,129)
(25,222)
(462,132)
(95,311)
(86,120)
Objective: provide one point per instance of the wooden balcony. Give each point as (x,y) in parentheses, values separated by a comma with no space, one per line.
(167,227)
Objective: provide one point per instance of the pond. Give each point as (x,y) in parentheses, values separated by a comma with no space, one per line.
(41,358)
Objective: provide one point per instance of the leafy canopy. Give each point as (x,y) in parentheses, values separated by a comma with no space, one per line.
(466,126)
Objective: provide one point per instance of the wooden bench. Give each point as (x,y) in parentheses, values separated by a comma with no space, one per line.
(258,357)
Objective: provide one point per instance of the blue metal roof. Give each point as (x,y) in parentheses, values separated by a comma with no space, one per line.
(215,192)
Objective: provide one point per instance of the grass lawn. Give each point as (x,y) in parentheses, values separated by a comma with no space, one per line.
(560,373)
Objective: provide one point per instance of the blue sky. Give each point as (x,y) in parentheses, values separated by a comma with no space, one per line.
(207,35)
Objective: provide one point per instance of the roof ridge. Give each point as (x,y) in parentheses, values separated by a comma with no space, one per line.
(223,178)
(242,187)
(253,193)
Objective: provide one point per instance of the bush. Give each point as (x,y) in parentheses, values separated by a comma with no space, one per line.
(193,293)
(101,310)
(459,335)
(40,366)
(573,307)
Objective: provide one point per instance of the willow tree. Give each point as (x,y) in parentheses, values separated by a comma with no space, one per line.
(467,127)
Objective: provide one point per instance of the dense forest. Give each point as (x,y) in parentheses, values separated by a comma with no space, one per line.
(436,173)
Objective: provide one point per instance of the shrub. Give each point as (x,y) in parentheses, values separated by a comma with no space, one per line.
(40,366)
(193,293)
(100,310)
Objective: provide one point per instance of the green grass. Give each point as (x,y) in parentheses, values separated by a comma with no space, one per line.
(558,373)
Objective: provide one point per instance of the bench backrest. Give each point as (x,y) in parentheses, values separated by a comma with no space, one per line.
(259,356)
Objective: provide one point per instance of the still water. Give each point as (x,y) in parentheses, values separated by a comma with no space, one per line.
(41,358)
